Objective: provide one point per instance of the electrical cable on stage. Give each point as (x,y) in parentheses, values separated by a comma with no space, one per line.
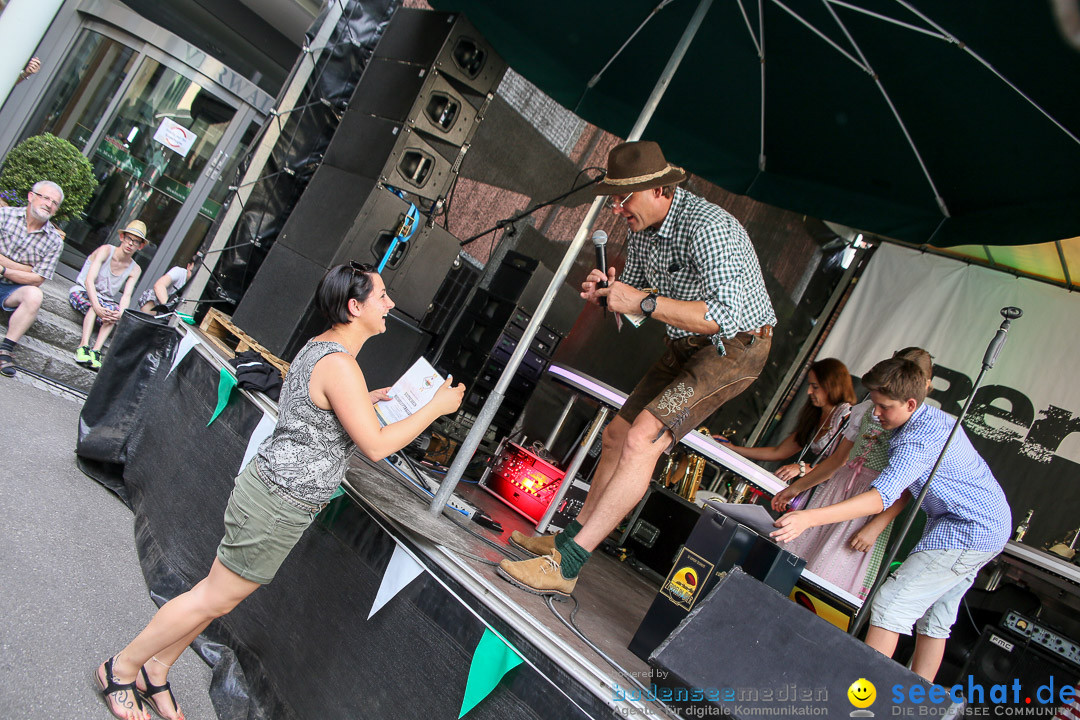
(572,626)
(505,550)
(418,484)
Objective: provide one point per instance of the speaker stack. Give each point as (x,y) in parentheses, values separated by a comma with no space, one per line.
(408,125)
(487,334)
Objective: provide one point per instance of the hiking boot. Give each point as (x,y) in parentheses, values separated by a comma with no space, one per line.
(534,546)
(541,575)
(82,355)
(95,360)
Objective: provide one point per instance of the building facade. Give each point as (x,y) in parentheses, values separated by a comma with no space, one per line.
(164,98)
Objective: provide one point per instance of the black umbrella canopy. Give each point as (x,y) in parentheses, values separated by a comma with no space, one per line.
(944,122)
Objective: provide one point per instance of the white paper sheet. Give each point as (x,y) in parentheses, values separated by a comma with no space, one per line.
(412,391)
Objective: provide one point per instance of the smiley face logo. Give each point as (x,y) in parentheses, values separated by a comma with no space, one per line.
(862,693)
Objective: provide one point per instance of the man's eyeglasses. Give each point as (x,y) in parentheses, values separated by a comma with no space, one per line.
(46,198)
(615,203)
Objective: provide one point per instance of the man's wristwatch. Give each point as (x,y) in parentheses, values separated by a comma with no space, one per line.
(648,304)
(3,271)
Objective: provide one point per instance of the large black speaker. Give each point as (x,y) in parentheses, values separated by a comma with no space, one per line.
(416,269)
(380,150)
(716,544)
(277,309)
(1026,675)
(326,213)
(446,42)
(407,126)
(418,104)
(751,652)
(384,358)
(427,101)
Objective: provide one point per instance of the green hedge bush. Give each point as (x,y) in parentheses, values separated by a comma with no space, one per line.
(47,157)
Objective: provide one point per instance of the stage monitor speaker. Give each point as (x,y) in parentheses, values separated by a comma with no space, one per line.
(385,358)
(1002,658)
(446,42)
(716,544)
(762,655)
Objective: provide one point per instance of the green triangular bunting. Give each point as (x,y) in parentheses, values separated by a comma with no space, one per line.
(226,383)
(493,658)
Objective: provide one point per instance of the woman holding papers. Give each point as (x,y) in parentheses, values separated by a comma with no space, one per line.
(325,411)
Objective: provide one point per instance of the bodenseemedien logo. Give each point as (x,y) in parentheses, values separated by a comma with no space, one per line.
(862,694)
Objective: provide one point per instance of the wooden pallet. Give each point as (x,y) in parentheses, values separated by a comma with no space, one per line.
(231,340)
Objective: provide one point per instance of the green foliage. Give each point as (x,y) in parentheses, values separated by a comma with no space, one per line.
(47,157)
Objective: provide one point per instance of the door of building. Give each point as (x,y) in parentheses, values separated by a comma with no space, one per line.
(163,140)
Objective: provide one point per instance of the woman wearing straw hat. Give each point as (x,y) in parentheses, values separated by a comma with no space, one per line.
(103,290)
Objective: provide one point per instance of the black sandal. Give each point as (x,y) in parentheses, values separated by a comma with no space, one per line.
(111,686)
(7,364)
(152,690)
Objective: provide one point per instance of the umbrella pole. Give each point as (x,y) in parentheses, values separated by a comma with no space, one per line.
(495,397)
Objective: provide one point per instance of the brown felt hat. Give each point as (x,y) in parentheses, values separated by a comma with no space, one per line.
(633,166)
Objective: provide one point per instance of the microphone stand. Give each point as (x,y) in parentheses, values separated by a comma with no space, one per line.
(989,358)
(526,213)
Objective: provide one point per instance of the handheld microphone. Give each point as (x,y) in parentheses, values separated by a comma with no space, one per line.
(1010,314)
(599,240)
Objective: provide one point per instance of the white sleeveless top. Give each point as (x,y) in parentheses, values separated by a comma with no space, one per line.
(107,285)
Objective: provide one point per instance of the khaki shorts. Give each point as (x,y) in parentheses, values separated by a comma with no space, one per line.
(261,528)
(692,380)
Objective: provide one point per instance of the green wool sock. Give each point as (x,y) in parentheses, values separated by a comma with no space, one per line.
(572,529)
(573,555)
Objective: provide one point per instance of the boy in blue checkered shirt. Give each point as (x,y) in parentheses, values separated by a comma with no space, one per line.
(968,517)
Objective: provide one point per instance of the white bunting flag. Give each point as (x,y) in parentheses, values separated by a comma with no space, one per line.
(187,342)
(260,433)
(401,571)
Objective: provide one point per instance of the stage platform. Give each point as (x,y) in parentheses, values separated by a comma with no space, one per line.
(610,597)
(163,429)
(304,646)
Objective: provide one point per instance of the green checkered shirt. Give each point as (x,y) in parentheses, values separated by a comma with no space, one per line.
(701,252)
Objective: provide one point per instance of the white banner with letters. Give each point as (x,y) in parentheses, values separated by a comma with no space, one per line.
(1025,420)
